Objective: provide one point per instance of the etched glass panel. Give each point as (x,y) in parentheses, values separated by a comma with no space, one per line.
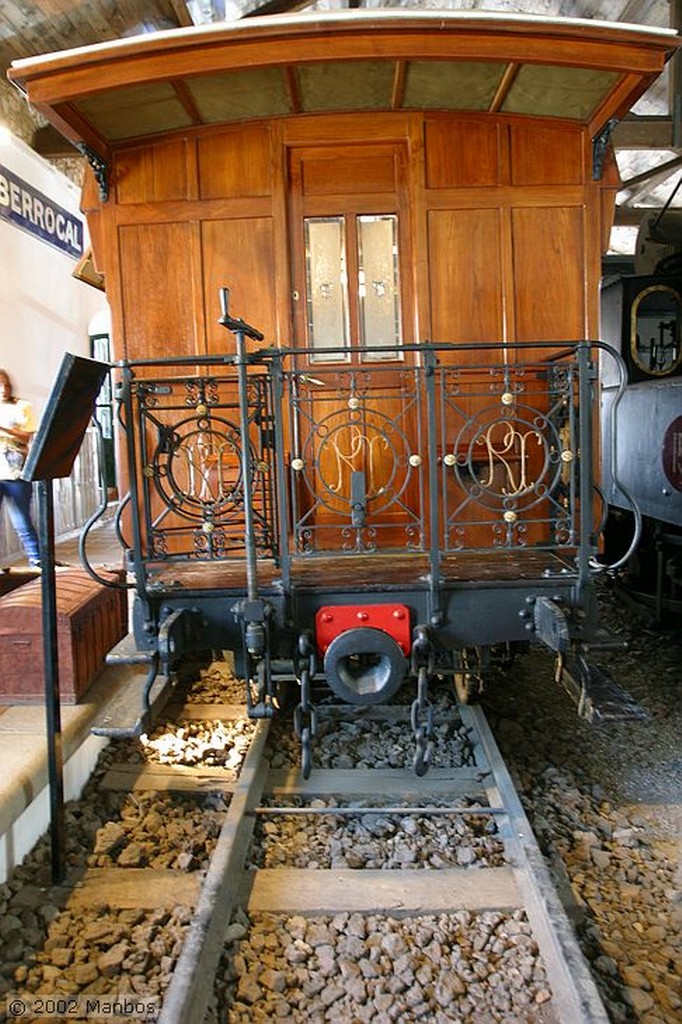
(379,285)
(327,288)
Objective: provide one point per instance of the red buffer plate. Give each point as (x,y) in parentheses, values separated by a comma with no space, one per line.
(394,619)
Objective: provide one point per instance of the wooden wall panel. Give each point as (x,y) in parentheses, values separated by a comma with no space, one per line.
(235,164)
(157,290)
(549,270)
(153,174)
(466,275)
(461,152)
(239,255)
(334,171)
(546,154)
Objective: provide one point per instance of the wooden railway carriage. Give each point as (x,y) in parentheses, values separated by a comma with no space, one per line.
(347,496)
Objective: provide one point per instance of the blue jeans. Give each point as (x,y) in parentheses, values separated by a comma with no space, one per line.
(20,493)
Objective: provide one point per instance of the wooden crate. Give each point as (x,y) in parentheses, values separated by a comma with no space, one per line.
(91,619)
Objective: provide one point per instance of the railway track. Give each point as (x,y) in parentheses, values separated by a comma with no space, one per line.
(375,844)
(509,879)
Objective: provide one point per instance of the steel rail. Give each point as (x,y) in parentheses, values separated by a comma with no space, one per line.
(575,998)
(186,998)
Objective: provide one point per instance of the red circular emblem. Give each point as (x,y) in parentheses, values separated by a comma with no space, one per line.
(672,453)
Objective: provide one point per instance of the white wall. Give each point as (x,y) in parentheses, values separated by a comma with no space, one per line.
(44,312)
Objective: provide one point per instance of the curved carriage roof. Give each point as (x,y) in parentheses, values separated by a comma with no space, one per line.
(119,92)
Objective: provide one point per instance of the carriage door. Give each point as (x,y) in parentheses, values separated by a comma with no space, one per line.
(353,398)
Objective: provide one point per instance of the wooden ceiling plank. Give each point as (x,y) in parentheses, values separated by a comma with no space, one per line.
(97,21)
(14,48)
(51,23)
(18,17)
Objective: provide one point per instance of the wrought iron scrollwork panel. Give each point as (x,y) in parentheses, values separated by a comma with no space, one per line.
(426,458)
(508,443)
(356,461)
(191,466)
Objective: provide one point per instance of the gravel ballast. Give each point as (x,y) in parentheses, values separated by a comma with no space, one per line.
(604,803)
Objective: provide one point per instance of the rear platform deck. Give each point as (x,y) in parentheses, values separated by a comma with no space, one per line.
(362,572)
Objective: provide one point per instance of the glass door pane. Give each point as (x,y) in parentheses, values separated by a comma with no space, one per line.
(379,285)
(327,288)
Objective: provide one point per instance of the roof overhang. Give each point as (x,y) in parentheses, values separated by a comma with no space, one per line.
(117,93)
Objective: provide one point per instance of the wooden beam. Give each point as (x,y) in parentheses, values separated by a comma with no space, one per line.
(181,13)
(276,7)
(398,93)
(296,891)
(644,133)
(294,90)
(503,88)
(647,179)
(676,76)
(135,888)
(182,91)
(632,216)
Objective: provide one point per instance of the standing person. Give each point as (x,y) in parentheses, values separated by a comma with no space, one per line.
(17,426)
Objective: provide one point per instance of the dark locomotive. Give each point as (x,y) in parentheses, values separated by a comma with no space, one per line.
(642,468)
(391,475)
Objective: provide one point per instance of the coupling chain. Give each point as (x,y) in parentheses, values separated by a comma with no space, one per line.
(423,654)
(305,713)
(422,709)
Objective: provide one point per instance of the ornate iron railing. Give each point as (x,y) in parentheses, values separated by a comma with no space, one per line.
(509,442)
(186,464)
(472,448)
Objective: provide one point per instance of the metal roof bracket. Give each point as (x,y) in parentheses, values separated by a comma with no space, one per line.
(600,145)
(99,167)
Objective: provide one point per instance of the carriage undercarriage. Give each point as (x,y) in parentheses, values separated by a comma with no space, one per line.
(367,527)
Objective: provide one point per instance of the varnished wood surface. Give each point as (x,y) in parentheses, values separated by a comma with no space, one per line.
(362,573)
(238,44)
